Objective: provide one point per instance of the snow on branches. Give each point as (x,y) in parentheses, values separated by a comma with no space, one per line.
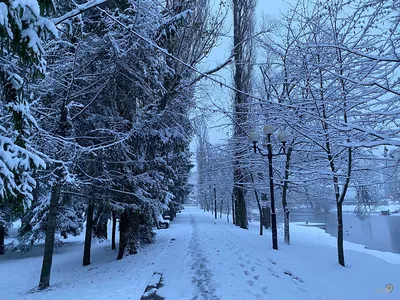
(16,162)
(22,59)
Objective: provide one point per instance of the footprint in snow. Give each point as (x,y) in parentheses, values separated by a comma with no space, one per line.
(272,272)
(250,282)
(298,279)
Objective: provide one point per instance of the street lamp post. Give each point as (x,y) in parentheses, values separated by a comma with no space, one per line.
(255,138)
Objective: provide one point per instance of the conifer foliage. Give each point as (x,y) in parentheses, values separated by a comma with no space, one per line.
(96,113)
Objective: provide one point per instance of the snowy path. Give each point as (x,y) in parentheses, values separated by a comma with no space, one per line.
(201,258)
(225,265)
(211,259)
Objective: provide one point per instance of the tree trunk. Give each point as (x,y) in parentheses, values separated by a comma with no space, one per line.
(211,200)
(286,222)
(243,30)
(220,210)
(237,209)
(258,204)
(233,209)
(286,211)
(339,201)
(172,212)
(215,203)
(340,234)
(88,236)
(261,220)
(114,231)
(50,233)
(228,212)
(104,229)
(123,234)
(242,209)
(53,209)
(267,217)
(2,235)
(260,212)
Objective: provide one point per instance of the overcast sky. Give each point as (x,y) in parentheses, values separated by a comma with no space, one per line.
(221,97)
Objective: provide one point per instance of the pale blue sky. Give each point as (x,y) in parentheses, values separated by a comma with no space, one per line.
(218,123)
(222,96)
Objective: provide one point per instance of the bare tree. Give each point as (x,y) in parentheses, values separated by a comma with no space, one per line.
(243,28)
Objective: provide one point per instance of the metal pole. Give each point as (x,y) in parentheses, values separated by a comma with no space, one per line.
(271,188)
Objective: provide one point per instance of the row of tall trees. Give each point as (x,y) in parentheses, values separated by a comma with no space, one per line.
(96,101)
(326,75)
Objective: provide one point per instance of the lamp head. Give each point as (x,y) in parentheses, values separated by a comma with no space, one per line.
(254,137)
(283,137)
(268,129)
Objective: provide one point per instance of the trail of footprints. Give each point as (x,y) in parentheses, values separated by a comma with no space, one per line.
(295,279)
(202,276)
(249,268)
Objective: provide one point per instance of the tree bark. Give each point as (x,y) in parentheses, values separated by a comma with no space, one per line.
(233,209)
(237,208)
(123,234)
(2,235)
(340,234)
(228,212)
(267,217)
(114,231)
(211,200)
(260,212)
(53,209)
(88,235)
(242,210)
(258,204)
(243,29)
(215,203)
(50,233)
(172,212)
(286,210)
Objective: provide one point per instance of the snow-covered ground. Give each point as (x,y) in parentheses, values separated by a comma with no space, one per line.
(204,258)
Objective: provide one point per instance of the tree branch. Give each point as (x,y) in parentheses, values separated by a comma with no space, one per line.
(212,71)
(80,9)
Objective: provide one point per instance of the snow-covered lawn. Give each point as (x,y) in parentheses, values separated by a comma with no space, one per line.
(204,258)
(104,279)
